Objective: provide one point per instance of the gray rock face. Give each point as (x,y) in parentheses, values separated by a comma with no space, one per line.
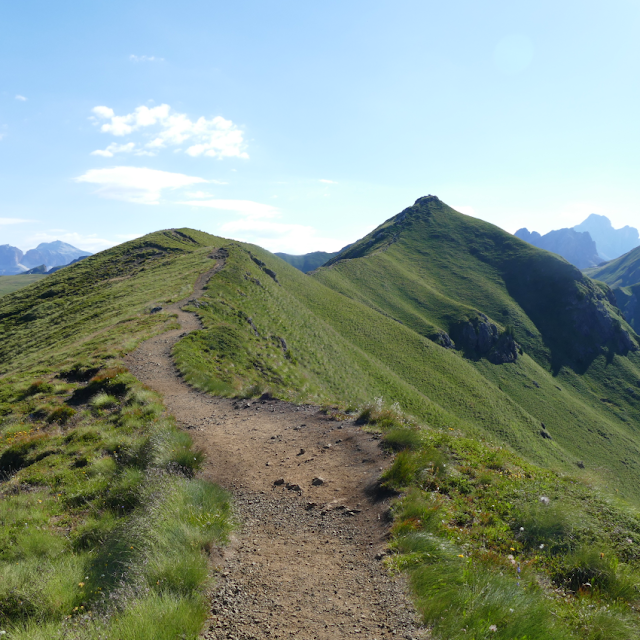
(482,338)
(611,243)
(576,247)
(10,260)
(595,323)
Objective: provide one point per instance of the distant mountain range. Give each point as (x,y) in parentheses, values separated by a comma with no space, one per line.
(588,244)
(612,243)
(50,254)
(308,261)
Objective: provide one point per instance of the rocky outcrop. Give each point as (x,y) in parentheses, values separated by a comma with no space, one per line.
(596,321)
(576,247)
(10,260)
(479,337)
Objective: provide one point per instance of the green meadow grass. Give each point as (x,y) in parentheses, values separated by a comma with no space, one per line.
(495,546)
(361,328)
(104,532)
(100,523)
(9,284)
(621,272)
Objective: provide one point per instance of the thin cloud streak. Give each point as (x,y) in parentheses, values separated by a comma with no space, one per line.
(136,184)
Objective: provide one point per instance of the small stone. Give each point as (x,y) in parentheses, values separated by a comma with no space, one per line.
(301,452)
(327,446)
(316,482)
(278,482)
(380,555)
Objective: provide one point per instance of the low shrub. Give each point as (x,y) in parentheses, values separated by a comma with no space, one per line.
(375,413)
(103,401)
(543,527)
(61,415)
(589,571)
(38,386)
(401,438)
(425,469)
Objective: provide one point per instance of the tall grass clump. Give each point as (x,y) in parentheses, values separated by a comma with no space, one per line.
(490,555)
(132,556)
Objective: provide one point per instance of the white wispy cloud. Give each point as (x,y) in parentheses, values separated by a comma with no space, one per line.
(328,181)
(136,58)
(21,98)
(13,220)
(249,208)
(114,148)
(136,184)
(280,236)
(214,138)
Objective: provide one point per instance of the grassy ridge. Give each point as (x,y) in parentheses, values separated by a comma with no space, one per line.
(337,349)
(432,268)
(365,328)
(100,304)
(104,533)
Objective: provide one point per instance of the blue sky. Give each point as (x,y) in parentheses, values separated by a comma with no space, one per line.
(302,125)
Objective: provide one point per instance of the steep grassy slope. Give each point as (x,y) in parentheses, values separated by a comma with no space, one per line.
(339,349)
(628,299)
(623,275)
(9,284)
(438,272)
(103,533)
(621,272)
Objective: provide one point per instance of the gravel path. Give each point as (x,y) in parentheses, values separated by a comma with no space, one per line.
(306,559)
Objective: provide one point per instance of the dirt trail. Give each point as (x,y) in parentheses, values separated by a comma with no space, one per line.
(306,560)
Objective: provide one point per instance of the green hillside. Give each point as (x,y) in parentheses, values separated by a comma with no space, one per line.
(9,284)
(623,276)
(103,530)
(437,272)
(540,396)
(621,272)
(628,299)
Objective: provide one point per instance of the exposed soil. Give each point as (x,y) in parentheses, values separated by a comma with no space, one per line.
(306,560)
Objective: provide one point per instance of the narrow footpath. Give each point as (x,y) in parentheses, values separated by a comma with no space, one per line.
(306,561)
